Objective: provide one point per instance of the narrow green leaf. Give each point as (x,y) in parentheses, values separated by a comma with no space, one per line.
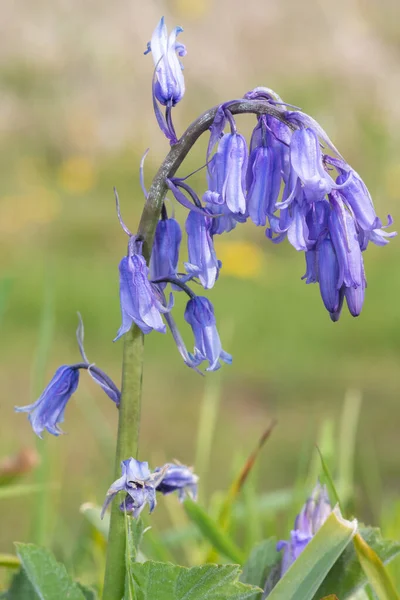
(327,479)
(165,581)
(211,532)
(347,442)
(375,570)
(261,559)
(347,576)
(21,489)
(9,561)
(48,577)
(306,574)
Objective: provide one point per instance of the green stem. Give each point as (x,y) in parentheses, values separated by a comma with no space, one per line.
(129,410)
(127,446)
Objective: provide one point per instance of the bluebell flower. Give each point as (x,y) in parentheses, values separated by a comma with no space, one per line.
(227,173)
(138,483)
(165,252)
(312,516)
(170,85)
(328,277)
(344,236)
(306,162)
(225,220)
(48,410)
(203,262)
(178,478)
(199,314)
(263,173)
(357,198)
(140,302)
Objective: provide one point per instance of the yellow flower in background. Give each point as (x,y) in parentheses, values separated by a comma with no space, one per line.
(18,213)
(239,258)
(77,174)
(191,8)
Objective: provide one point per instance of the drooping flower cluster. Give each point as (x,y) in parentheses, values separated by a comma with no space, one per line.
(312,516)
(290,179)
(48,410)
(141,485)
(142,288)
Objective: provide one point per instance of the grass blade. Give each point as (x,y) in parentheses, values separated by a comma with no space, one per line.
(375,570)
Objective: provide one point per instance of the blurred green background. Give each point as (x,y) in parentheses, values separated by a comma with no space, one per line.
(75,118)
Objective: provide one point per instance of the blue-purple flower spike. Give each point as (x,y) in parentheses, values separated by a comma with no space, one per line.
(312,516)
(199,314)
(48,410)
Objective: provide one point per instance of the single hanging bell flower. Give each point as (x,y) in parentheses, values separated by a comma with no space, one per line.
(48,410)
(227,173)
(140,302)
(165,252)
(203,262)
(199,314)
(263,173)
(170,85)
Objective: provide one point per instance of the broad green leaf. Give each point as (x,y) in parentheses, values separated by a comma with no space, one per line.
(165,581)
(20,589)
(375,570)
(212,532)
(48,577)
(347,575)
(134,530)
(257,567)
(306,574)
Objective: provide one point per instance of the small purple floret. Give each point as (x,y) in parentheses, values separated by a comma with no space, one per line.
(140,302)
(312,516)
(170,85)
(178,478)
(165,252)
(199,314)
(48,410)
(203,262)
